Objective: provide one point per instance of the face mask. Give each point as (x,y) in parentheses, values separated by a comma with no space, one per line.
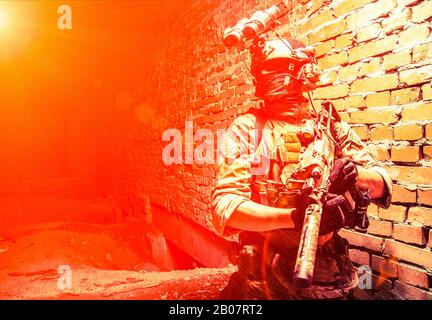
(276,86)
(272,85)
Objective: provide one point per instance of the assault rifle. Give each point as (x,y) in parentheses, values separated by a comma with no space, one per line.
(320,149)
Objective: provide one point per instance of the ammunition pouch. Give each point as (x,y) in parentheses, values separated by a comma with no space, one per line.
(248,262)
(274,194)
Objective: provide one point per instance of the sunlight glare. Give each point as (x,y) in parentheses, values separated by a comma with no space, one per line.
(3,19)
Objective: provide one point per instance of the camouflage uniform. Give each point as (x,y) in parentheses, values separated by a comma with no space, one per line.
(275,251)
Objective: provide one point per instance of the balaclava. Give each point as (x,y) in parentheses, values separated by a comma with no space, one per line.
(283,70)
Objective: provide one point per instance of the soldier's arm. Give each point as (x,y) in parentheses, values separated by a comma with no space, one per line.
(252,216)
(370,179)
(371,176)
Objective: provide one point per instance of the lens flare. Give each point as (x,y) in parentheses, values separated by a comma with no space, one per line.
(3,19)
(18,28)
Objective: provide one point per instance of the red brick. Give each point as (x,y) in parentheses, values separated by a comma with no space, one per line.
(331,92)
(316,4)
(239,90)
(360,257)
(380,228)
(374,116)
(420,216)
(369,67)
(406,252)
(406,292)
(381,83)
(304,39)
(408,132)
(369,32)
(333,60)
(349,5)
(316,21)
(396,60)
(428,131)
(417,113)
(430,238)
(373,211)
(393,213)
(362,132)
(407,3)
(405,154)
(373,48)
(324,47)
(384,287)
(329,31)
(338,103)
(416,175)
(427,152)
(414,34)
(409,234)
(413,276)
(422,53)
(405,96)
(378,99)
(416,76)
(426,91)
(422,12)
(402,194)
(387,268)
(425,196)
(348,72)
(354,102)
(396,21)
(344,116)
(362,240)
(328,77)
(343,41)
(380,153)
(360,294)
(370,12)
(380,133)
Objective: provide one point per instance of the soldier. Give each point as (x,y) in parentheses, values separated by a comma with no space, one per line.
(243,199)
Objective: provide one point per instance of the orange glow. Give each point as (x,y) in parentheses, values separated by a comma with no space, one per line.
(17,27)
(70,102)
(3,19)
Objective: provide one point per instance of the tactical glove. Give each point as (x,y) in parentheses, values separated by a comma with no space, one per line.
(343,176)
(333,216)
(332,219)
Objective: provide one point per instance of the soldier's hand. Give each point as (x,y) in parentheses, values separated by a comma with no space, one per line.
(343,176)
(333,217)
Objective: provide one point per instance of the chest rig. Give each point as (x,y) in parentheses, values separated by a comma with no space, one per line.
(281,148)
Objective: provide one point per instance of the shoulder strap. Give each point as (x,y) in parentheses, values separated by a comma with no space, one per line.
(335,119)
(259,122)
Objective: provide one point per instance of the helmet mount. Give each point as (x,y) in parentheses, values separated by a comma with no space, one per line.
(282,69)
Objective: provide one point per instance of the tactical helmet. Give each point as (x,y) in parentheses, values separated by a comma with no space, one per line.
(283,69)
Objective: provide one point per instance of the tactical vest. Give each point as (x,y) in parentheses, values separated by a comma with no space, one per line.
(282,153)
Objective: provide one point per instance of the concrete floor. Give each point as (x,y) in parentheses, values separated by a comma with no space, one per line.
(106,262)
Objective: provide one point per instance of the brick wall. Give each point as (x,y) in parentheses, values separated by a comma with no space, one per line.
(376,58)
